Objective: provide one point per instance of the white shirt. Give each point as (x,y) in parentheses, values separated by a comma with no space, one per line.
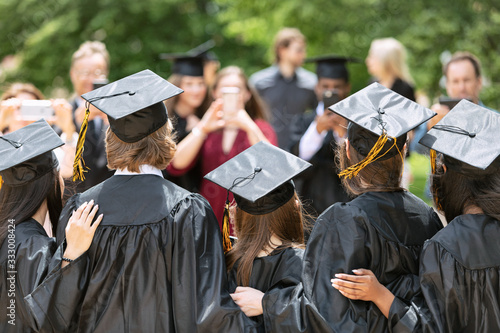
(144,169)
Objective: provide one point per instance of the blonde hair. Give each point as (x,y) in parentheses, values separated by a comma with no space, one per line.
(392,54)
(89,48)
(157,150)
(284,38)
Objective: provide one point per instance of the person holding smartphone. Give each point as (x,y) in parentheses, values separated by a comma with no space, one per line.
(316,134)
(223,132)
(12,118)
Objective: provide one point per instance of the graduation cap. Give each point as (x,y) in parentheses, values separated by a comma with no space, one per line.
(190,63)
(134,106)
(260,179)
(467,137)
(332,66)
(379,120)
(26,154)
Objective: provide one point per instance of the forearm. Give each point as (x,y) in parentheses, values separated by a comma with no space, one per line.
(188,149)
(384,301)
(254,134)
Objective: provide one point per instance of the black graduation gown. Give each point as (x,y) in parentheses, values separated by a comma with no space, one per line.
(460,281)
(37,257)
(381,231)
(156,262)
(191,180)
(319,185)
(282,268)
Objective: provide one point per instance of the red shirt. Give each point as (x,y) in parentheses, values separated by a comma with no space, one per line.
(212,156)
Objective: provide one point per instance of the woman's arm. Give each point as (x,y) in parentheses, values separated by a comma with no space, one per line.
(188,149)
(364,286)
(243,121)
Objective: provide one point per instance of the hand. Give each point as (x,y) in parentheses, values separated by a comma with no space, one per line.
(191,121)
(441,111)
(80,230)
(8,109)
(327,121)
(241,120)
(249,300)
(362,286)
(212,119)
(64,116)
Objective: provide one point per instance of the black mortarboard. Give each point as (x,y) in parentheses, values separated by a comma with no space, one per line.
(189,63)
(259,177)
(203,50)
(26,154)
(379,120)
(332,66)
(467,137)
(134,106)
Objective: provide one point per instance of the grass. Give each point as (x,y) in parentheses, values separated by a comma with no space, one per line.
(420,168)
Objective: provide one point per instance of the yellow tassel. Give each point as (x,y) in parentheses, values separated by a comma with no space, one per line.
(433,161)
(353,170)
(1,182)
(79,167)
(226,242)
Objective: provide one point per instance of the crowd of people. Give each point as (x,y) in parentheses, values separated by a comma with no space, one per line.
(214,202)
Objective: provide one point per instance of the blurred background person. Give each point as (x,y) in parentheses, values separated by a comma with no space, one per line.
(316,135)
(387,63)
(186,110)
(229,126)
(11,119)
(89,68)
(286,87)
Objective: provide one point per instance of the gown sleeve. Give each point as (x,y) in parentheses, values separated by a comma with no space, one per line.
(201,302)
(55,300)
(442,305)
(336,245)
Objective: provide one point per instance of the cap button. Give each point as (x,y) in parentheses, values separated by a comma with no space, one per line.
(131,93)
(257,169)
(472,135)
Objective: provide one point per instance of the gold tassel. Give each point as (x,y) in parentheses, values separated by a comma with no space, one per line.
(1,182)
(226,242)
(353,170)
(433,161)
(79,167)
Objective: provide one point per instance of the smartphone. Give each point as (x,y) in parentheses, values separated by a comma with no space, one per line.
(36,109)
(450,102)
(330,97)
(230,97)
(99,83)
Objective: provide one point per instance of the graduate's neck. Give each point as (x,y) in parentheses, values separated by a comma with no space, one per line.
(473,209)
(274,243)
(41,213)
(387,80)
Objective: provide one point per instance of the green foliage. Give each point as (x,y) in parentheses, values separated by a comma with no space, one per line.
(44,34)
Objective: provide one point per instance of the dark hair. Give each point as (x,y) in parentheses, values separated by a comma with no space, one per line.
(378,176)
(176,79)
(22,202)
(254,235)
(454,192)
(254,106)
(461,56)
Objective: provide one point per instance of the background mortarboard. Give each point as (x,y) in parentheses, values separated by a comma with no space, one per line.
(276,168)
(189,63)
(134,104)
(378,116)
(467,136)
(26,154)
(332,66)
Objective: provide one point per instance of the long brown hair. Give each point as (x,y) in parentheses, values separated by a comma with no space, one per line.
(254,106)
(378,176)
(20,203)
(18,87)
(454,192)
(176,79)
(254,235)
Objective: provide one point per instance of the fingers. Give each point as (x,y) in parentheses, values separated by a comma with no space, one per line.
(96,223)
(346,284)
(86,211)
(90,217)
(78,213)
(350,277)
(362,271)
